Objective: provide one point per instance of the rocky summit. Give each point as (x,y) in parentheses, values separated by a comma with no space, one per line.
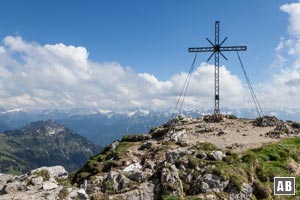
(185,158)
(196,158)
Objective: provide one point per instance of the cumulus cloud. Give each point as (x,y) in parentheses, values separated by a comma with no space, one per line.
(283,89)
(35,76)
(293,10)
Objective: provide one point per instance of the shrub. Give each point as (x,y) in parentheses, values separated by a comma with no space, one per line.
(235,182)
(63,193)
(135,137)
(260,191)
(44,173)
(160,132)
(295,125)
(206,146)
(231,116)
(108,165)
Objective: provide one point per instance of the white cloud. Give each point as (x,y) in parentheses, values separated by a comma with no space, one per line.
(58,76)
(282,91)
(38,76)
(293,10)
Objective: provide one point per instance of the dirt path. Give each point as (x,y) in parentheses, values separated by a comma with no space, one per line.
(240,134)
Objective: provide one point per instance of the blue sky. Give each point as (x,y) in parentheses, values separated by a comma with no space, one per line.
(140,36)
(150,36)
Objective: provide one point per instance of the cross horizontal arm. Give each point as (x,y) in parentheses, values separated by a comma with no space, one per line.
(201,49)
(233,48)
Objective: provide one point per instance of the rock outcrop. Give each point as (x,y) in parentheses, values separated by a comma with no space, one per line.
(45,183)
(177,159)
(186,158)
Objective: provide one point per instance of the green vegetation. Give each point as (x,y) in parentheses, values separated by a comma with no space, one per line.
(167,197)
(103,162)
(205,146)
(255,166)
(231,117)
(295,125)
(108,187)
(159,132)
(63,193)
(262,164)
(135,137)
(43,173)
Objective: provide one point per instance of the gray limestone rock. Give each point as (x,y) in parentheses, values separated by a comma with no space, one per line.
(215,182)
(143,192)
(244,194)
(173,155)
(13,187)
(3,180)
(170,181)
(37,180)
(145,146)
(47,185)
(116,182)
(82,194)
(176,135)
(114,145)
(216,155)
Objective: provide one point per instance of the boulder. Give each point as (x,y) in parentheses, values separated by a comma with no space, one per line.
(115,182)
(37,181)
(204,187)
(216,155)
(149,164)
(222,132)
(134,172)
(170,182)
(145,146)
(3,180)
(216,183)
(133,167)
(114,145)
(82,194)
(145,191)
(266,121)
(211,197)
(201,155)
(47,185)
(53,172)
(244,194)
(173,155)
(176,135)
(13,187)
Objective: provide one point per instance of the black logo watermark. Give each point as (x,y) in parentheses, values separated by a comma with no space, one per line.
(284,185)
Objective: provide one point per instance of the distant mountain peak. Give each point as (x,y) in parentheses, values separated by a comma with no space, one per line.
(44,143)
(47,127)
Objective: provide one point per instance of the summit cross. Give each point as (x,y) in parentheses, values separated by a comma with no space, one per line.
(217,49)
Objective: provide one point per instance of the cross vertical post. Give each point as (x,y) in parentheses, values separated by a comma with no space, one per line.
(217,49)
(217,65)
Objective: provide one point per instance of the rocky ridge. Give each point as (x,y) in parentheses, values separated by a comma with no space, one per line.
(185,158)
(178,160)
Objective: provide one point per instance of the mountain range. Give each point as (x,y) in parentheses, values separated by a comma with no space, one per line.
(104,126)
(43,143)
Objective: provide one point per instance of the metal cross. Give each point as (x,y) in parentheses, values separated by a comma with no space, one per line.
(217,49)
